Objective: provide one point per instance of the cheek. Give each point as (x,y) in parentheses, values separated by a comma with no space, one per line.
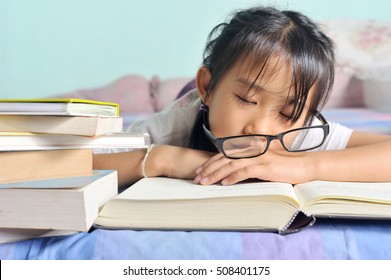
(222,124)
(226,121)
(288,139)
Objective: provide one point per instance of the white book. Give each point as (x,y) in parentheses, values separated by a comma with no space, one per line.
(76,125)
(8,235)
(31,141)
(70,204)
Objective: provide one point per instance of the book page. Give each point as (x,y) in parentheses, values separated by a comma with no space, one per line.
(317,190)
(162,188)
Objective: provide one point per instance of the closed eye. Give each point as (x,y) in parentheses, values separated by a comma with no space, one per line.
(244,100)
(287,110)
(285,116)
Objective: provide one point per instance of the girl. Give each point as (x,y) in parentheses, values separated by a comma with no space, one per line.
(255,113)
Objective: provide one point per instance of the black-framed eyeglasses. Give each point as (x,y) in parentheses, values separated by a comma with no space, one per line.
(253,145)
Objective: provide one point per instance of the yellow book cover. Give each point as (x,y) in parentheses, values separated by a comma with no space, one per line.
(61,106)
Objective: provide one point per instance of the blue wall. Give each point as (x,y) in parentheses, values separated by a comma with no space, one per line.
(49,46)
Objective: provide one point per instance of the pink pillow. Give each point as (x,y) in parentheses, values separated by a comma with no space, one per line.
(131,92)
(165,91)
(347,90)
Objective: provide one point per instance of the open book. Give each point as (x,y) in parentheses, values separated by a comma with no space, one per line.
(164,203)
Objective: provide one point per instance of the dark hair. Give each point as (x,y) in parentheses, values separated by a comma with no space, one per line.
(261,34)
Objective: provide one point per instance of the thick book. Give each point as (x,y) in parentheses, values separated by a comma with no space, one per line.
(8,235)
(58,106)
(46,164)
(35,141)
(70,204)
(77,125)
(171,204)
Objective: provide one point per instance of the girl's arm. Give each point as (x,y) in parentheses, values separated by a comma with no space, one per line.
(127,164)
(169,161)
(366,158)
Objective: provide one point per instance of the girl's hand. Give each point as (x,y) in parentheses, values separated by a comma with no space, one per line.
(175,162)
(275,166)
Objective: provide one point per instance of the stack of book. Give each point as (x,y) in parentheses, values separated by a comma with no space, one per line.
(47,182)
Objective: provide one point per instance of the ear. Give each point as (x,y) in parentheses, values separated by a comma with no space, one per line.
(202,82)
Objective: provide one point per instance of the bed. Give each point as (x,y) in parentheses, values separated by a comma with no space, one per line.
(140,97)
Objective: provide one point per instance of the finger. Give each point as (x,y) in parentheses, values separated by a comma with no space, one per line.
(210,161)
(209,167)
(207,162)
(211,164)
(247,172)
(218,171)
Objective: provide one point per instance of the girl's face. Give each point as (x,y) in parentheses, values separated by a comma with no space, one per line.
(237,106)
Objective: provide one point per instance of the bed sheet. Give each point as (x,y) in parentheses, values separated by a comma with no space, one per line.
(327,239)
(363,119)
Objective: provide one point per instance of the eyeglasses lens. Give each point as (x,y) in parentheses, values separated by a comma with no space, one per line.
(239,147)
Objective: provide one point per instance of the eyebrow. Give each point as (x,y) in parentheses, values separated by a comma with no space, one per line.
(258,88)
(250,84)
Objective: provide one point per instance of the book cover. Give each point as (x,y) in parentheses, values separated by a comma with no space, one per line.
(58,106)
(70,204)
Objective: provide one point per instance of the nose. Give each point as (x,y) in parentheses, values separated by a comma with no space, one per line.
(260,124)
(264,125)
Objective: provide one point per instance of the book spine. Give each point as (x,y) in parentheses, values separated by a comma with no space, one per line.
(298,221)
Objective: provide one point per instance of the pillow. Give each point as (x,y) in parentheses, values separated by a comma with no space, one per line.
(377,94)
(347,90)
(131,92)
(364,46)
(165,91)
